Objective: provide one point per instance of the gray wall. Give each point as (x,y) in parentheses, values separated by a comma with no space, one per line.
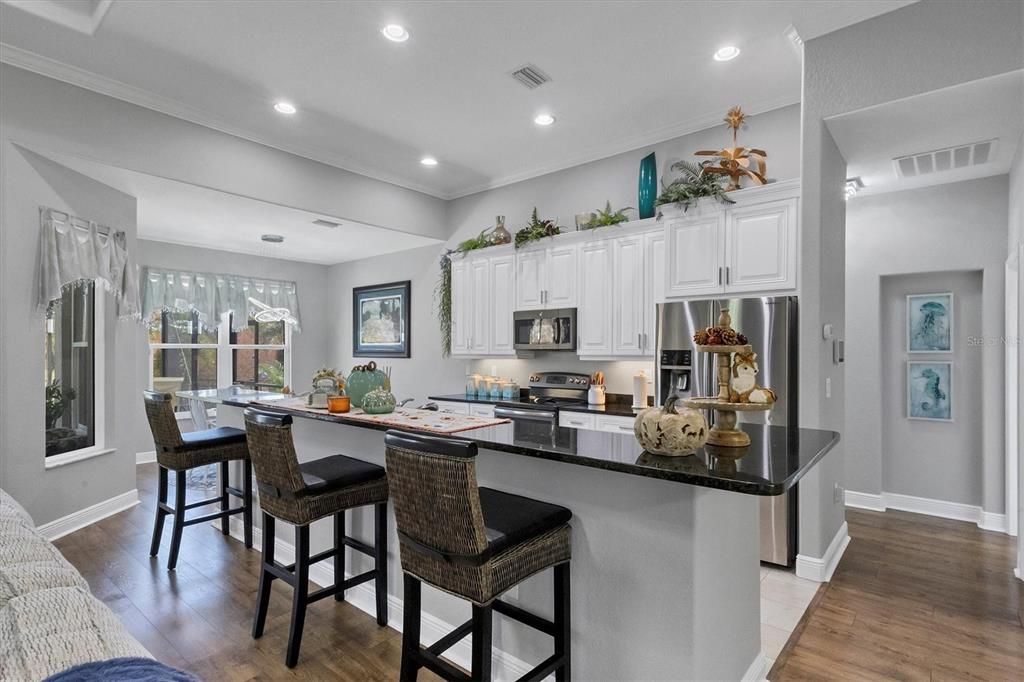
(309,348)
(30,181)
(919,48)
(934,460)
(945,229)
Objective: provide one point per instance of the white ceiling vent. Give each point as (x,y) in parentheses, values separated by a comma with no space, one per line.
(941,160)
(530,76)
(325,223)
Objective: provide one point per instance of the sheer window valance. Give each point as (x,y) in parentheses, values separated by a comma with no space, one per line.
(211,295)
(75,251)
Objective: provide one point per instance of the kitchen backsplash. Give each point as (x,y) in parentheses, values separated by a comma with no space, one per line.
(618,373)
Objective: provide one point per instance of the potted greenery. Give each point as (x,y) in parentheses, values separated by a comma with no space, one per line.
(536,230)
(58,438)
(607,217)
(693,184)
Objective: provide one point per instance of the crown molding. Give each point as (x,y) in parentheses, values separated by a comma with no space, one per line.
(44,66)
(73,75)
(629,143)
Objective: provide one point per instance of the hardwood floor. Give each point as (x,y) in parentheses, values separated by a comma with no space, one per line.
(914,598)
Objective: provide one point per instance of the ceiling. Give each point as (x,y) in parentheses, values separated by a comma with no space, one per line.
(623,74)
(986,109)
(180,213)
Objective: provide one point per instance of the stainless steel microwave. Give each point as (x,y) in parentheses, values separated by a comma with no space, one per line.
(544,329)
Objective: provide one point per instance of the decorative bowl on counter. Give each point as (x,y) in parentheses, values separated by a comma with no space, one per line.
(379,401)
(666,431)
(362,380)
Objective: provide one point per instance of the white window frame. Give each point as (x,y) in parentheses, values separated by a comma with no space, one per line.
(99,357)
(225,358)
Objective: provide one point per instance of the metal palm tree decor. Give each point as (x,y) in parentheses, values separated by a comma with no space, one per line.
(737,162)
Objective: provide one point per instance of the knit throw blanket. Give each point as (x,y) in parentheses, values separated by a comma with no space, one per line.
(122,670)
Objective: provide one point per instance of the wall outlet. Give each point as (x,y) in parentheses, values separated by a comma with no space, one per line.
(828,387)
(838,494)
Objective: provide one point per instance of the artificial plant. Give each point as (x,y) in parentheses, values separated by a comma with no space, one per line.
(607,217)
(536,230)
(694,183)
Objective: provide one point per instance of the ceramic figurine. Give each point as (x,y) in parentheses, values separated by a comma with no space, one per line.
(666,431)
(744,388)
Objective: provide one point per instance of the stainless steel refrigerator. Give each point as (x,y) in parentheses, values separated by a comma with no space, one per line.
(770,324)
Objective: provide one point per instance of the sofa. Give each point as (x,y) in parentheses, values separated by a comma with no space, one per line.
(49,621)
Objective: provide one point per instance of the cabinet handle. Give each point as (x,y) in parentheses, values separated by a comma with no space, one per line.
(639,340)
(625,428)
(576,423)
(726,274)
(719,274)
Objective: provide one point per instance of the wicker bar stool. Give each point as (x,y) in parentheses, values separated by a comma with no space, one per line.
(300,494)
(180,452)
(474,543)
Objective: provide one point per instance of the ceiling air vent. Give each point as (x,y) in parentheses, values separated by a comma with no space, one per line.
(530,76)
(941,160)
(325,223)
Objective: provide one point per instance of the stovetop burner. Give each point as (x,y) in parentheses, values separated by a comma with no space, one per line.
(549,390)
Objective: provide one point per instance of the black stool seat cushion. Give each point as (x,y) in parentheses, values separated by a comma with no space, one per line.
(511,519)
(337,471)
(212,438)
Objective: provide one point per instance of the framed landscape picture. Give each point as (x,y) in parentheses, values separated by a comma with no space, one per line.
(930,323)
(380,320)
(930,391)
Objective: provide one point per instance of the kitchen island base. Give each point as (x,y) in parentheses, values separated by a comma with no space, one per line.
(665,575)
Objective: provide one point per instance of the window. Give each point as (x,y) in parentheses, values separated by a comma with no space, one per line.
(71,340)
(186,356)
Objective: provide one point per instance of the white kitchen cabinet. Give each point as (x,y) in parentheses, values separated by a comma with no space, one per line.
(593,318)
(502,279)
(576,420)
(742,248)
(481,410)
(483,289)
(654,281)
(452,407)
(628,304)
(546,277)
(596,422)
(762,253)
(614,423)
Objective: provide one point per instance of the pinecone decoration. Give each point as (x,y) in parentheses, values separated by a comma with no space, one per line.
(701,337)
(742,339)
(730,337)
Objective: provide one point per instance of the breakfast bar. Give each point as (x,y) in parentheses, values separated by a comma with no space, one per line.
(665,549)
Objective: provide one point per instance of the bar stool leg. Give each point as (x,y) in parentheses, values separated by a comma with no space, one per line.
(222,481)
(563,622)
(299,595)
(247,501)
(482,627)
(380,562)
(161,513)
(179,518)
(339,556)
(266,578)
(410,628)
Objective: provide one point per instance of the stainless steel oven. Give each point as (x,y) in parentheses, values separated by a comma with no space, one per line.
(544,329)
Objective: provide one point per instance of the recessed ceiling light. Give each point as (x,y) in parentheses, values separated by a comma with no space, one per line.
(395,33)
(428,161)
(543,119)
(272,238)
(726,53)
(283,107)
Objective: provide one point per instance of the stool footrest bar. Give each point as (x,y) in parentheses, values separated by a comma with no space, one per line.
(546,667)
(212,517)
(439,666)
(524,617)
(453,637)
(359,546)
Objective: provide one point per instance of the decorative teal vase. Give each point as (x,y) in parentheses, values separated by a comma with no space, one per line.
(648,190)
(361,381)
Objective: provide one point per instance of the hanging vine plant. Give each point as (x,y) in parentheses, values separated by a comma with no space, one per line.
(443,288)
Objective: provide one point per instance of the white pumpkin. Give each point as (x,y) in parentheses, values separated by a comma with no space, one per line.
(666,431)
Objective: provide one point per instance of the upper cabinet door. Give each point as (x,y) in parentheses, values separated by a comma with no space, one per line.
(628,296)
(593,317)
(479,282)
(462,302)
(560,278)
(654,279)
(696,252)
(502,287)
(530,268)
(762,246)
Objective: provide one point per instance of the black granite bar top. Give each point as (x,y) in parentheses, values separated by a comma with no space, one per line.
(615,408)
(776,459)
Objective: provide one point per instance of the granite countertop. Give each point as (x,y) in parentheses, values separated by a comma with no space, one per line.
(776,459)
(616,408)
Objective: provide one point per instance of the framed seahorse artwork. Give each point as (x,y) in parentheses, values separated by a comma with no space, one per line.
(930,391)
(930,323)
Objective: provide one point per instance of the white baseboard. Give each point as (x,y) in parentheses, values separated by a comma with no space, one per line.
(88,516)
(505,666)
(758,670)
(821,569)
(145,457)
(1017,573)
(923,505)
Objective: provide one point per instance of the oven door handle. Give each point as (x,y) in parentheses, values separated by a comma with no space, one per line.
(513,413)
